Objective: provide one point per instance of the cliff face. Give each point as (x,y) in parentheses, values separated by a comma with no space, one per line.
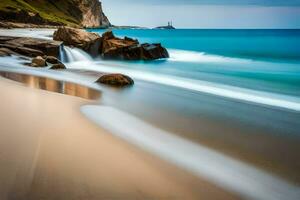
(84,13)
(92,13)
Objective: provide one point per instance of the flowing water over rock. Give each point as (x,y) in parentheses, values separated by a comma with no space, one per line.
(69,54)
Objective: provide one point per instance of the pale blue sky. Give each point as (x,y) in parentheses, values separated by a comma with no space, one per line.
(205,13)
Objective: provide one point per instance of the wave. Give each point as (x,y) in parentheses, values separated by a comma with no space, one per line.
(232,92)
(222,170)
(194,56)
(226,91)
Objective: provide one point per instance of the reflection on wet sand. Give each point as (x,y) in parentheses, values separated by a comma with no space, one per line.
(53,85)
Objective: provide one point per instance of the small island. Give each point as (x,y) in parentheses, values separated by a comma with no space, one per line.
(169,26)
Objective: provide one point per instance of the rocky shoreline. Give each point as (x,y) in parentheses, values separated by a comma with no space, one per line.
(46,53)
(108,46)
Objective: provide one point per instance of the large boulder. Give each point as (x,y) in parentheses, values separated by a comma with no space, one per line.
(153,51)
(79,38)
(130,49)
(115,80)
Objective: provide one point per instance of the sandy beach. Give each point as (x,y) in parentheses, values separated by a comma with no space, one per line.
(49,150)
(64,136)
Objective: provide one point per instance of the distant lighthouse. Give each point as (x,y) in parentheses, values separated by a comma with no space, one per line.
(169,26)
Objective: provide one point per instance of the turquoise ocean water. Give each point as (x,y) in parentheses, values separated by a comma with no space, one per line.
(237,91)
(267,60)
(251,77)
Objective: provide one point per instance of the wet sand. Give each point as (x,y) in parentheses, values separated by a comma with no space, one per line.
(48,150)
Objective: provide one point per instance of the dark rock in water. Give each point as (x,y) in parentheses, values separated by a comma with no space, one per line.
(130,49)
(58,66)
(31,47)
(38,62)
(115,80)
(52,60)
(78,38)
(153,51)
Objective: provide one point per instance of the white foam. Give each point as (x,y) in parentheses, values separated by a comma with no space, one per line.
(220,169)
(194,56)
(232,92)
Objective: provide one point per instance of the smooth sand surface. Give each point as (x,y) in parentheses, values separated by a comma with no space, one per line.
(49,150)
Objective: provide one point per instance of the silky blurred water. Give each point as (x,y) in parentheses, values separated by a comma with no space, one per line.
(267,60)
(235,91)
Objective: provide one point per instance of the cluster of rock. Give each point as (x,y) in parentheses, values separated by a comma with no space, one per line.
(46,61)
(109,46)
(45,53)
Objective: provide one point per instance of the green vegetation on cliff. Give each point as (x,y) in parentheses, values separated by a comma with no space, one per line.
(52,12)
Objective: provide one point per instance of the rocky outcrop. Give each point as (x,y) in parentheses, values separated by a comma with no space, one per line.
(30,47)
(108,46)
(92,14)
(79,38)
(75,13)
(115,80)
(130,49)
